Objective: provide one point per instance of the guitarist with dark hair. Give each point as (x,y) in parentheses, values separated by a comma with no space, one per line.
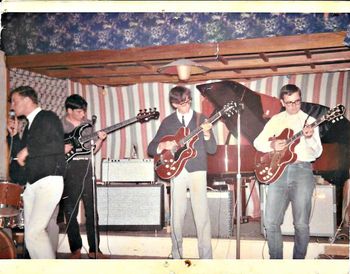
(78,180)
(192,174)
(294,184)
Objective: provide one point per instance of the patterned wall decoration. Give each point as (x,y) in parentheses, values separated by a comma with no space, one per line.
(28,33)
(51,91)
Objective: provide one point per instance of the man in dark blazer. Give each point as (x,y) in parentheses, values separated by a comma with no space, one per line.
(194,174)
(44,162)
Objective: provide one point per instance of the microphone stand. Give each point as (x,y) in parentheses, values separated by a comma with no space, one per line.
(238,183)
(94,196)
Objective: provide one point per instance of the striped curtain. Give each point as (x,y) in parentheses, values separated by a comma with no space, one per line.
(113,105)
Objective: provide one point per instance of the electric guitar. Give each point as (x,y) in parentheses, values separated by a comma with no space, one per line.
(169,163)
(270,166)
(80,143)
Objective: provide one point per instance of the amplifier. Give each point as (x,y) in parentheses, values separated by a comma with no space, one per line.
(323,212)
(128,170)
(220,211)
(131,207)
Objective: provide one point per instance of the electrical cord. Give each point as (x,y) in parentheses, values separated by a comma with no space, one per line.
(76,206)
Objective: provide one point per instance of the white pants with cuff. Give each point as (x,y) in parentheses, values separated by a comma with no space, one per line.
(40,201)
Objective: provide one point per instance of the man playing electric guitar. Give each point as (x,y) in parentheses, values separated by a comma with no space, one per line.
(194,174)
(296,183)
(78,181)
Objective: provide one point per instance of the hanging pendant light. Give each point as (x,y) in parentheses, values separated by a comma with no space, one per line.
(184,68)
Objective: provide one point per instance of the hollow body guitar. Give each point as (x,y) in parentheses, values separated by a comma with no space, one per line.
(169,163)
(270,166)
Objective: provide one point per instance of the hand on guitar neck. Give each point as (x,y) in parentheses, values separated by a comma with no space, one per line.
(206,126)
(308,131)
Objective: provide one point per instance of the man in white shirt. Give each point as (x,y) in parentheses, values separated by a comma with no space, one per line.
(296,183)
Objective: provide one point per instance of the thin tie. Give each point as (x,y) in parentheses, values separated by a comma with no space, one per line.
(183,121)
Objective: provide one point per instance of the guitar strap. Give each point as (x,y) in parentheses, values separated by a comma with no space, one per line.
(197,119)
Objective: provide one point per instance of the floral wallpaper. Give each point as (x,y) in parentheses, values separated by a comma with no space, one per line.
(29,33)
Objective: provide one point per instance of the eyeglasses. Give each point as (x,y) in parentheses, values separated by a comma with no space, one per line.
(185,102)
(296,102)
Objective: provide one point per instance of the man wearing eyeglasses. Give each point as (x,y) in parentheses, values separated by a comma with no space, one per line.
(296,184)
(193,176)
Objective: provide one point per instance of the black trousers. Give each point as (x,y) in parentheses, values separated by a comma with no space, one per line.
(78,185)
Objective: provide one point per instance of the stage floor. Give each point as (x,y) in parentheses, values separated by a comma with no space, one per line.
(157,244)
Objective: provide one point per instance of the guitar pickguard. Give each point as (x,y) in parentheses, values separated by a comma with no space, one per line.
(169,164)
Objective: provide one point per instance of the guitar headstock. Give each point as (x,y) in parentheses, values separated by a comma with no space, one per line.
(146,115)
(335,114)
(231,108)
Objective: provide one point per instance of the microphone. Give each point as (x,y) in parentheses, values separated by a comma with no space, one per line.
(12,114)
(94,118)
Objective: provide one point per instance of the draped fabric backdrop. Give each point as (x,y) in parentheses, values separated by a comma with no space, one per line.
(113,105)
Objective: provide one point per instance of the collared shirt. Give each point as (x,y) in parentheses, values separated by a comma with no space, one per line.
(187,116)
(32,115)
(307,150)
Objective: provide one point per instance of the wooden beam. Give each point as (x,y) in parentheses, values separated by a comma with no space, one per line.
(264,57)
(308,54)
(256,45)
(234,65)
(220,75)
(222,59)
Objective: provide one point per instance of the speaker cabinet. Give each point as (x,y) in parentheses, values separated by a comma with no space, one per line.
(323,212)
(220,211)
(131,207)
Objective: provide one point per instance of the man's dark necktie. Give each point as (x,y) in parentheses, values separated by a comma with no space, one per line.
(183,121)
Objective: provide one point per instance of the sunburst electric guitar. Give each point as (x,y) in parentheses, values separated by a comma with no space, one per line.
(80,143)
(270,166)
(169,163)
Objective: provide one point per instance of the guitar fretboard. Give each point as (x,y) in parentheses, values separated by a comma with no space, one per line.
(109,129)
(300,133)
(211,120)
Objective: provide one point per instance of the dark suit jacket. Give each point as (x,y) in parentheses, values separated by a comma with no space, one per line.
(170,125)
(45,143)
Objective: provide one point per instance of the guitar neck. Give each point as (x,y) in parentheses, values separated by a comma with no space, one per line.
(109,129)
(195,132)
(300,133)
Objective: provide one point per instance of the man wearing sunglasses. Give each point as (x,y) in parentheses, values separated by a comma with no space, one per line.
(296,183)
(194,174)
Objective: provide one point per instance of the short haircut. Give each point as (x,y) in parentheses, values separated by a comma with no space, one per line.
(179,94)
(75,101)
(25,91)
(289,90)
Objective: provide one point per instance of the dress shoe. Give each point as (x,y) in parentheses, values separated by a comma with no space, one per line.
(75,255)
(99,255)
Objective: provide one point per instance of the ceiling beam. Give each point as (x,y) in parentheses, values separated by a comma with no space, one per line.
(256,45)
